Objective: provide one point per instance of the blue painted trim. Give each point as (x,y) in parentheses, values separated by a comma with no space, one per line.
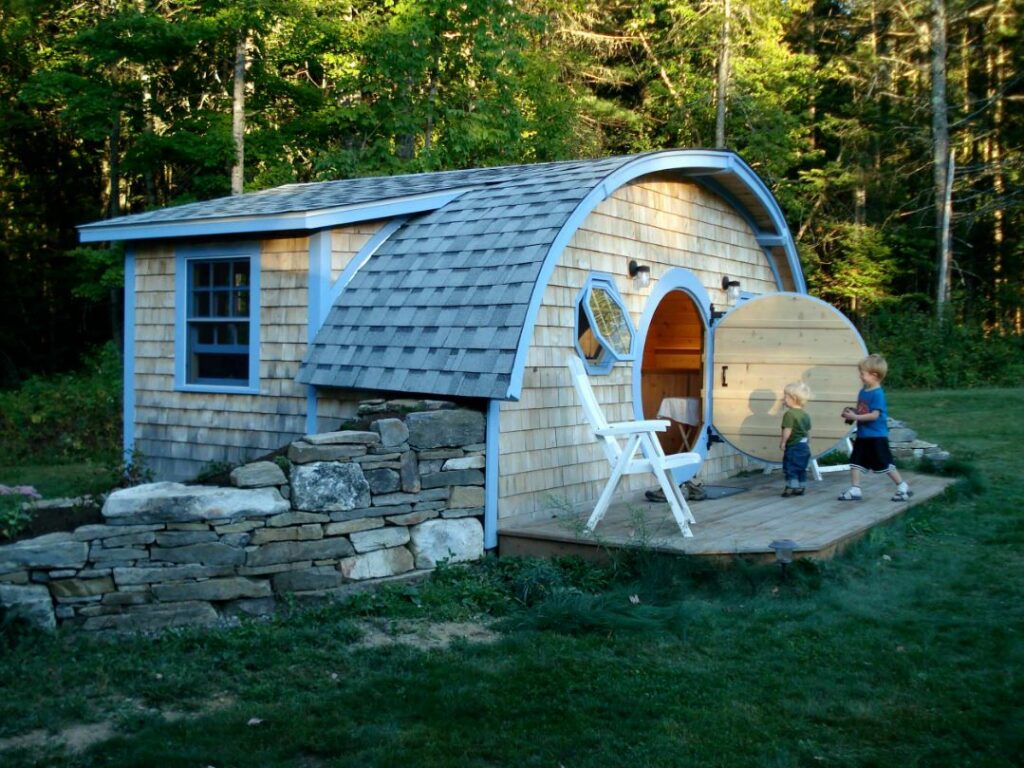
(690,163)
(182,256)
(609,356)
(318,285)
(773,267)
(491,474)
(128,398)
(710,382)
(359,260)
(684,280)
(287,222)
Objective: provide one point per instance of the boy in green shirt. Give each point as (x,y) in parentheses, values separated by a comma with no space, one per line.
(796,438)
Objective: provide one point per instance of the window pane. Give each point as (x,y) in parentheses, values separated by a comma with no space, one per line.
(588,341)
(242,333)
(222,273)
(221,307)
(201,304)
(201,273)
(241,304)
(610,320)
(230,367)
(206,333)
(217,352)
(241,273)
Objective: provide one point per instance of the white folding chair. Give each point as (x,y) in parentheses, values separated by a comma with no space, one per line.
(624,459)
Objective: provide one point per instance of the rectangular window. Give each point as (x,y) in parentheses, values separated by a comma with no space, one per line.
(218,321)
(217,331)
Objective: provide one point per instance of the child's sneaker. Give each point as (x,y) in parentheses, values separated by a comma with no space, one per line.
(851,494)
(903,493)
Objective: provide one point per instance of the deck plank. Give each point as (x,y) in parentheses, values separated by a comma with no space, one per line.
(741,524)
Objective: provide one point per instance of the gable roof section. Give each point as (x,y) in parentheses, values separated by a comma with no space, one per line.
(447,305)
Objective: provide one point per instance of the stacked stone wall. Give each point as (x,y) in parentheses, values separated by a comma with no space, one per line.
(346,509)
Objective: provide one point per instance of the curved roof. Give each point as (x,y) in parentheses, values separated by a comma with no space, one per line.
(446,305)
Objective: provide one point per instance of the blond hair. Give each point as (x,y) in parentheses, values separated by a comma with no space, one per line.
(798,392)
(874,364)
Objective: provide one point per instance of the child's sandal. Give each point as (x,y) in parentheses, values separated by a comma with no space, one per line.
(847,496)
(788,492)
(902,495)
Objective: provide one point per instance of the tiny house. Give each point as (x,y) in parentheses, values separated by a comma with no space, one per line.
(254,319)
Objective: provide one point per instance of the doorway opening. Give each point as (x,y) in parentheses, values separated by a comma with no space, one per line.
(672,370)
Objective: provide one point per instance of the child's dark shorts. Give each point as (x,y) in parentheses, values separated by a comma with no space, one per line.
(872,454)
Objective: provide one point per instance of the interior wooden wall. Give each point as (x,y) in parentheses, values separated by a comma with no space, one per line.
(180,433)
(549,460)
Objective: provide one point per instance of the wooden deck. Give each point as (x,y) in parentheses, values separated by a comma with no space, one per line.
(742,524)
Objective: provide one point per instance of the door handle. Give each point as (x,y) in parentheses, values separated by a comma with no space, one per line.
(724,369)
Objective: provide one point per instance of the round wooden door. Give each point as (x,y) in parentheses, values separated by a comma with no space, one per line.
(768,342)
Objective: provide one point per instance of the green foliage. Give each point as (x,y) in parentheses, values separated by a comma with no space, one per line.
(67,417)
(14,518)
(925,352)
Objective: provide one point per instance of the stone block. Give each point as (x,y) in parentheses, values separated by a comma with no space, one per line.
(188,526)
(184,538)
(303,453)
(116,555)
(213,553)
(351,526)
(413,518)
(292,551)
(408,405)
(132,539)
(380,538)
(251,606)
(438,429)
(32,602)
(391,431)
(242,527)
(15,577)
(368,465)
(259,474)
(452,540)
(448,514)
(214,590)
(466,462)
(81,587)
(382,480)
(54,550)
(240,540)
(177,503)
(377,565)
(441,454)
(125,577)
(322,577)
(466,496)
(345,437)
(388,450)
(428,506)
(429,466)
(409,472)
(394,499)
(297,518)
(268,570)
(97,531)
(328,487)
(369,460)
(127,598)
(157,616)
(356,514)
(457,477)
(292,533)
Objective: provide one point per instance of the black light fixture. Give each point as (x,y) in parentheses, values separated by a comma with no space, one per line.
(640,273)
(731,288)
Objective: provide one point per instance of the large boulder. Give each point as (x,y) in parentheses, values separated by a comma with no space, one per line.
(31,602)
(452,540)
(329,487)
(178,503)
(54,550)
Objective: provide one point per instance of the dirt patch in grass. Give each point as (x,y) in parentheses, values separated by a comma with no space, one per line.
(425,635)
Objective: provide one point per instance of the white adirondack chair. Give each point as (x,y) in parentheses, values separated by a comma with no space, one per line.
(641,454)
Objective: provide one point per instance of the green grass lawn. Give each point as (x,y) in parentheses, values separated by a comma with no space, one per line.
(906,651)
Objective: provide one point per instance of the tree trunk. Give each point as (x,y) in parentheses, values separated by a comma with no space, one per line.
(723,80)
(940,154)
(114,166)
(238,114)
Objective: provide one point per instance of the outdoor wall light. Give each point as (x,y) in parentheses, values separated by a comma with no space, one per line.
(640,273)
(731,288)
(783,553)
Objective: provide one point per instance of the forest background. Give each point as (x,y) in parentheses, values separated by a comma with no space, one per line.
(874,122)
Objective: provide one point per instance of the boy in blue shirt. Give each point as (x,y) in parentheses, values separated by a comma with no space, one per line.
(871,449)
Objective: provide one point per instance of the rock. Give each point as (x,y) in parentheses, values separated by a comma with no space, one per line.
(126,541)
(242,527)
(217,590)
(382,480)
(32,602)
(443,453)
(393,500)
(457,477)
(54,550)
(293,551)
(466,496)
(177,503)
(413,518)
(81,587)
(410,473)
(902,435)
(297,518)
(451,540)
(329,487)
(351,526)
(346,437)
(407,405)
(448,514)
(356,514)
(391,431)
(321,577)
(213,553)
(380,538)
(436,429)
(184,538)
(115,555)
(259,606)
(377,565)
(301,452)
(466,462)
(125,577)
(259,474)
(157,616)
(94,532)
(292,533)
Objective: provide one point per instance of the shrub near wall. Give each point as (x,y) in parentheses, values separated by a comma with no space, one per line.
(354,506)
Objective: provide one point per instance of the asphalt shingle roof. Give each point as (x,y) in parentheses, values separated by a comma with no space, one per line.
(440,307)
